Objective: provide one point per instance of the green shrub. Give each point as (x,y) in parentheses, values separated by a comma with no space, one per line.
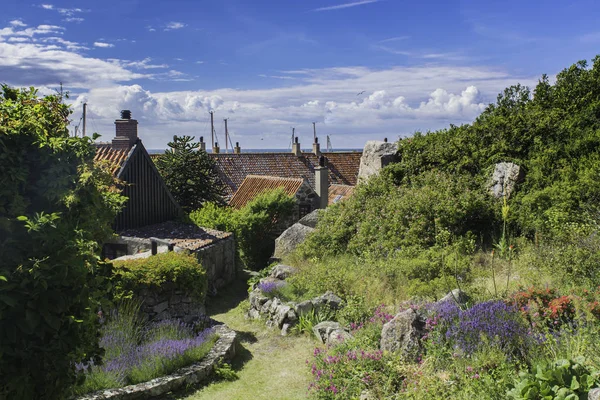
(56,207)
(130,276)
(561,379)
(255,225)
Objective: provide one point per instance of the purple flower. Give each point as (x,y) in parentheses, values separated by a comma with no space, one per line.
(270,286)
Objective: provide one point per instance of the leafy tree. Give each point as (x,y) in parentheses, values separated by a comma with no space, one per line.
(56,206)
(189,173)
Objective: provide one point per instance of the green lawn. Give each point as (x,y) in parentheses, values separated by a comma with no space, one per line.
(269,366)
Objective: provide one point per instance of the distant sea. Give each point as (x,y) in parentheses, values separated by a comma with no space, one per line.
(159,151)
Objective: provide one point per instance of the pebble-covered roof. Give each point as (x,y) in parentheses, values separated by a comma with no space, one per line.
(186,236)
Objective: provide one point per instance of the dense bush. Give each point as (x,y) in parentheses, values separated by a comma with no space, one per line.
(382,218)
(255,225)
(56,207)
(189,173)
(181,269)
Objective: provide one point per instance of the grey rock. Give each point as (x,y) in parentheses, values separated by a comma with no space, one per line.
(310,219)
(253,313)
(291,316)
(323,329)
(457,296)
(282,272)
(594,394)
(285,329)
(281,314)
(274,305)
(266,307)
(290,239)
(303,308)
(337,336)
(329,299)
(504,179)
(257,299)
(403,333)
(366,395)
(159,308)
(375,156)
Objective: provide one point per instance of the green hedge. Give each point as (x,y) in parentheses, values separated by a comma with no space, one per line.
(129,277)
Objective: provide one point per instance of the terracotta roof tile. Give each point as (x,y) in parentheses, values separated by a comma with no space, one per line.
(339,193)
(253,185)
(116,157)
(233,168)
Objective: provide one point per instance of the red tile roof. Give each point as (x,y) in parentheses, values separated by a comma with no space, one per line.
(233,168)
(339,193)
(253,185)
(115,157)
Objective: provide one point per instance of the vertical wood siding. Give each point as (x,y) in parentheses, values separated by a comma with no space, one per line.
(149,202)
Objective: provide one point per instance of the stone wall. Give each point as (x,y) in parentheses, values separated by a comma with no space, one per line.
(219,260)
(167,302)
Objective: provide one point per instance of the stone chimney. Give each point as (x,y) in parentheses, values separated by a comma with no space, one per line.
(237,149)
(322,182)
(202,143)
(126,131)
(216,148)
(296,147)
(316,147)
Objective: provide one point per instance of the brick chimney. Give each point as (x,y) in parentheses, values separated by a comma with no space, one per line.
(322,182)
(237,149)
(316,147)
(126,131)
(202,143)
(296,147)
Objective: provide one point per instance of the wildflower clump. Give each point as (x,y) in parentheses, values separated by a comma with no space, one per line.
(493,323)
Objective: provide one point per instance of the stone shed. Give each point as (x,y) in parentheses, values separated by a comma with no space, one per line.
(214,249)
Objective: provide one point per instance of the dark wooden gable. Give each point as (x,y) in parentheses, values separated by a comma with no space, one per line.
(149,200)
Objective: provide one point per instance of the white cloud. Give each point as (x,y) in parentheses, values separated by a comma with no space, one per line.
(18,23)
(68,12)
(174,25)
(397,101)
(74,46)
(346,5)
(144,64)
(103,45)
(48,6)
(74,19)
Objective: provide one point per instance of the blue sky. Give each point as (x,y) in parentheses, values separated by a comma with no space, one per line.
(269,65)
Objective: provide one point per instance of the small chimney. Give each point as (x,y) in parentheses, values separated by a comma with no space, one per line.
(322,182)
(384,140)
(316,147)
(202,143)
(237,149)
(216,148)
(296,147)
(126,134)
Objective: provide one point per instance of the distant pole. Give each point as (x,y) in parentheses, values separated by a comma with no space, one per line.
(314,132)
(293,135)
(226,134)
(84,116)
(212,128)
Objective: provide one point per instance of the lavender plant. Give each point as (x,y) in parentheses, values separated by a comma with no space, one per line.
(137,352)
(494,323)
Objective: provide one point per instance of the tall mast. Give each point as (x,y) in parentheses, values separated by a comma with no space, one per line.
(212,129)
(226,134)
(84,116)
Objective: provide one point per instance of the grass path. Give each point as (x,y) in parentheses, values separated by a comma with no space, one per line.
(269,366)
